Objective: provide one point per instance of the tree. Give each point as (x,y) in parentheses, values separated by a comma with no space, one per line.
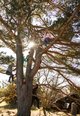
(18,29)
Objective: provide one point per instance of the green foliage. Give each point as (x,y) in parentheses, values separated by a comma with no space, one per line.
(58,24)
(5,59)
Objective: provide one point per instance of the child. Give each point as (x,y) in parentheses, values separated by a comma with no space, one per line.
(9,72)
(34,96)
(47,38)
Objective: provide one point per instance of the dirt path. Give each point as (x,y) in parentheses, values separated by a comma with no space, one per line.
(12,112)
(5,111)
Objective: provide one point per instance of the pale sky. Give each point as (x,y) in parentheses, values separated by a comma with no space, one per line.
(8,51)
(4,77)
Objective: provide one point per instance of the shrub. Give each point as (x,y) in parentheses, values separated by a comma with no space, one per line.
(10,94)
(1,92)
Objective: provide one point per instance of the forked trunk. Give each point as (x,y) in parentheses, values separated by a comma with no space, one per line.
(24,90)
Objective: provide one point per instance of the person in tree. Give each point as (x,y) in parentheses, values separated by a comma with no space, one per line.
(47,38)
(25,59)
(9,72)
(34,95)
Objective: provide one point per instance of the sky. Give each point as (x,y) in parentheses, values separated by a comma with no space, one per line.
(8,51)
(4,77)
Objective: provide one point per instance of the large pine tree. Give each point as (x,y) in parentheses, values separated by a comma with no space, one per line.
(23,21)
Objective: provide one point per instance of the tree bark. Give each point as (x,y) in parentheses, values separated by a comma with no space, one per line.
(25,99)
(24,90)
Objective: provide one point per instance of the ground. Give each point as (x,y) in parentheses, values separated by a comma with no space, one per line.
(6,111)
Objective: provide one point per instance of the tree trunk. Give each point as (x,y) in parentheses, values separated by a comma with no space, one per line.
(25,98)
(24,90)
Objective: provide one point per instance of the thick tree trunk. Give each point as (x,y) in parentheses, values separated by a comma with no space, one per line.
(24,90)
(25,98)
